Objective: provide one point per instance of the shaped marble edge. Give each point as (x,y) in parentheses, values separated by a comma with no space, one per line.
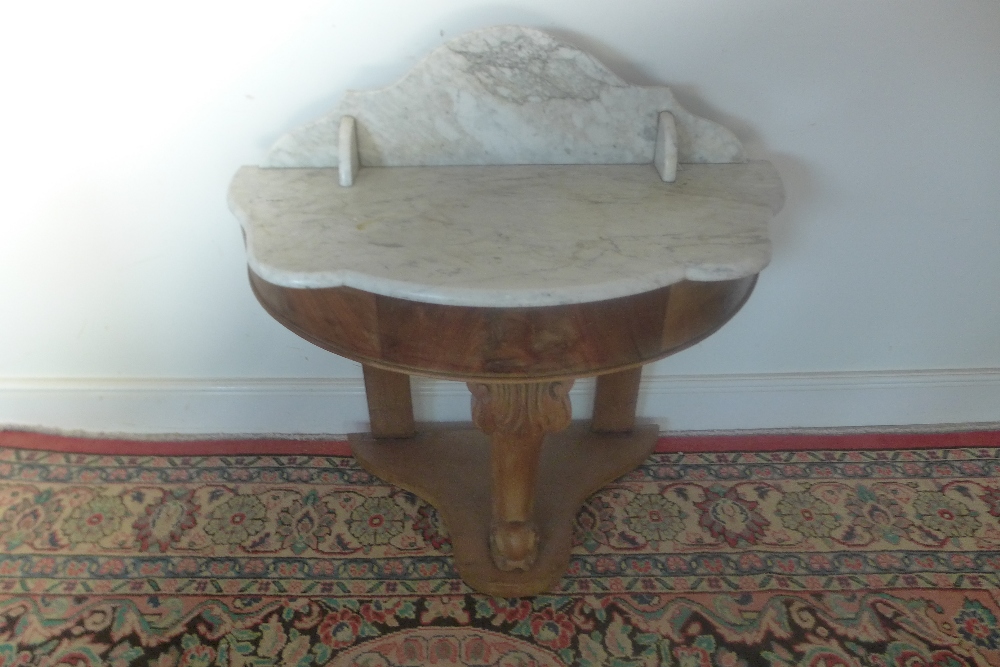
(721,253)
(506,95)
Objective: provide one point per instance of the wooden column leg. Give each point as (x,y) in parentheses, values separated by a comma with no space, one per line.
(390,404)
(614,403)
(517,417)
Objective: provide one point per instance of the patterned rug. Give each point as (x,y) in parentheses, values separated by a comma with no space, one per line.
(835,555)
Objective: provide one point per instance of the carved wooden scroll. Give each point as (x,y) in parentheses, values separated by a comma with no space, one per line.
(517,417)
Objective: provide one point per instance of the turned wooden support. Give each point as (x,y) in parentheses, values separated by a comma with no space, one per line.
(390,404)
(615,400)
(517,417)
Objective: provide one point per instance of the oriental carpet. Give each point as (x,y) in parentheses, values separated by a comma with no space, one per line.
(866,550)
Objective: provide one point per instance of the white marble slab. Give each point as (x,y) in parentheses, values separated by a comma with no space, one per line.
(534,235)
(506,95)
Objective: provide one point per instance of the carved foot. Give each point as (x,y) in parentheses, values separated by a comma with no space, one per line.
(514,545)
(517,417)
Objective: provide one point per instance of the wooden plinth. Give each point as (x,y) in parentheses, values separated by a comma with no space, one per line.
(450,469)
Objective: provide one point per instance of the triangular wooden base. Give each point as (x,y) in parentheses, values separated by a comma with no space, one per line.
(450,469)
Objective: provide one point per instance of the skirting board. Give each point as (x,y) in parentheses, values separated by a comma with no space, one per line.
(337,406)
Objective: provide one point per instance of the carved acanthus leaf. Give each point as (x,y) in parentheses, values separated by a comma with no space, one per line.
(521,408)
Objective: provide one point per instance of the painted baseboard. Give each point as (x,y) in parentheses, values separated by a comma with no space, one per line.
(315,406)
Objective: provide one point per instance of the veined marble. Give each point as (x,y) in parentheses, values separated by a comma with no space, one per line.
(503,236)
(506,95)
(556,199)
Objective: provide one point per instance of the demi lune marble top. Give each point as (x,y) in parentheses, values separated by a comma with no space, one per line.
(506,169)
(535,235)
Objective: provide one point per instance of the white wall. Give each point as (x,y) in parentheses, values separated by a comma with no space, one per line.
(124,304)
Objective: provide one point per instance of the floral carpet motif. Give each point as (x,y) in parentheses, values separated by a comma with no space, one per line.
(821,558)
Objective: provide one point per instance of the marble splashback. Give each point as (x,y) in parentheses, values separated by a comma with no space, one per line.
(501,236)
(506,95)
(507,169)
